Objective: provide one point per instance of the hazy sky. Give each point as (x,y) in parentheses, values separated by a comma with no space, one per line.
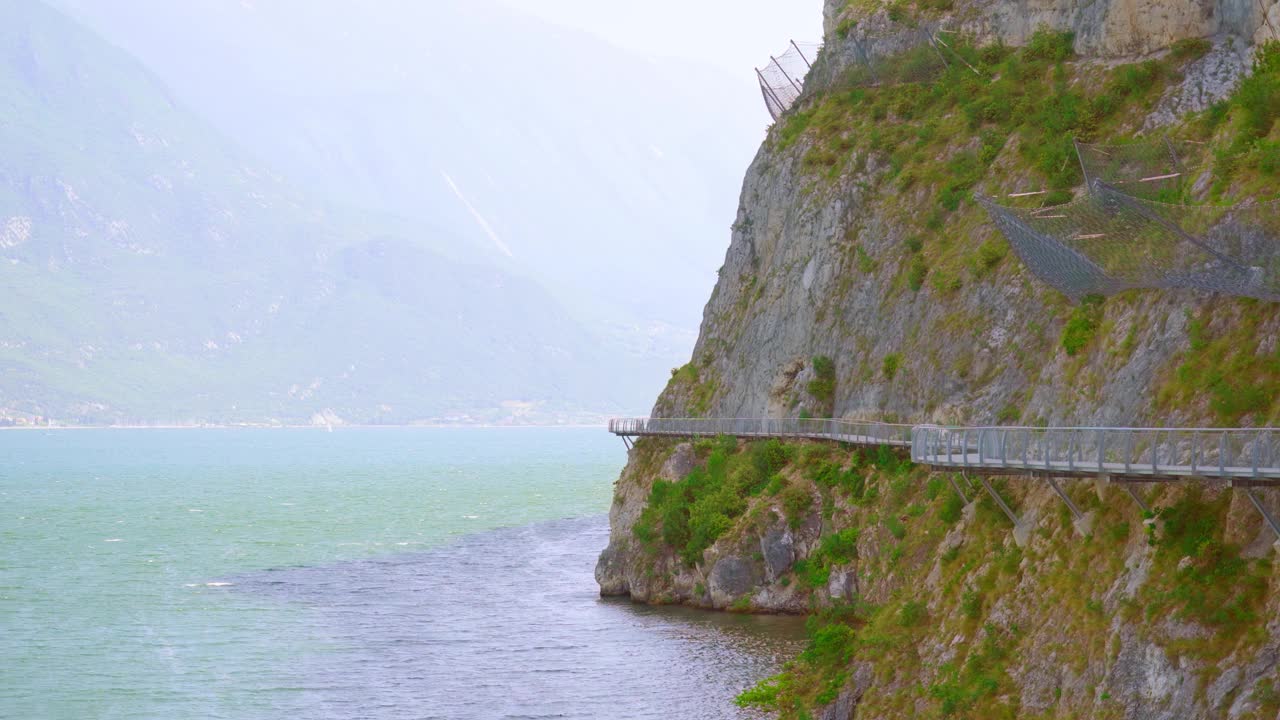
(736,35)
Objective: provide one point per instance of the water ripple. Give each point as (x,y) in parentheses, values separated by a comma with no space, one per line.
(507,624)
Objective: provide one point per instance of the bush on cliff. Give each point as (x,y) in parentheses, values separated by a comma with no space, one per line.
(689,515)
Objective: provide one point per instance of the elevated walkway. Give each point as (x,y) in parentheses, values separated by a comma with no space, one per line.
(846,431)
(1244,458)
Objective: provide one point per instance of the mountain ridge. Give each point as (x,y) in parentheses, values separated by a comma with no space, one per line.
(159,275)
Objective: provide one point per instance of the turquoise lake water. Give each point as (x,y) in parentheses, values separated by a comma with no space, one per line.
(381,573)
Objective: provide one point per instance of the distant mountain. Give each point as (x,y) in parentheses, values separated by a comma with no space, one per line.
(154,272)
(613,177)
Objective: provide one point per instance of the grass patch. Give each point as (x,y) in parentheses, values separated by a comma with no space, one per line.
(1228,369)
(822,387)
(1209,583)
(1083,325)
(892,362)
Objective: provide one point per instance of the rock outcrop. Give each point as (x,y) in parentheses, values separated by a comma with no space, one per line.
(861,283)
(1103,28)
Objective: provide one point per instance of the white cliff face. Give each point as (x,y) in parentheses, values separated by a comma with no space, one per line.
(1108,28)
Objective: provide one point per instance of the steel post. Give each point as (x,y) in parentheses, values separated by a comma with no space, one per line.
(1266,514)
(1066,499)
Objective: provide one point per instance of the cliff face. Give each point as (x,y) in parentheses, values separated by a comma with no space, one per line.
(1107,28)
(862,281)
(817,263)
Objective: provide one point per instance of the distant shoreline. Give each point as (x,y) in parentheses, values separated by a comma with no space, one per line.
(324,428)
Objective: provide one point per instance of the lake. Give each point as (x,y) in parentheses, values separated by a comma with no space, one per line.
(371,573)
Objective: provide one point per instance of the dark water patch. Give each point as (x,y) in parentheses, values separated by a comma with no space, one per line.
(508,624)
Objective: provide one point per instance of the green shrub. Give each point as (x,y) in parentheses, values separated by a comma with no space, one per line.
(895,527)
(770,456)
(1231,369)
(838,548)
(1083,325)
(934,487)
(675,525)
(1118,533)
(1050,46)
(823,386)
(989,255)
(982,676)
(889,462)
(830,645)
(952,509)
(824,366)
(912,614)
(1010,414)
(764,696)
(747,480)
(1259,94)
(865,263)
(898,13)
(690,515)
(1268,156)
(812,574)
(964,170)
(830,474)
(1217,587)
(892,362)
(796,502)
(795,125)
(916,273)
(1267,695)
(1214,116)
(1190,49)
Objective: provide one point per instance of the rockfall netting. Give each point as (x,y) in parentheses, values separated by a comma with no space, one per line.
(1119,236)
(1151,169)
(909,56)
(782,80)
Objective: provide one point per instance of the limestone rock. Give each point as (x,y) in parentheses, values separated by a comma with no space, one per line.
(779,551)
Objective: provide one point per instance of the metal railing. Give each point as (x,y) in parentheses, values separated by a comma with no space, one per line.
(850,431)
(1151,452)
(1232,454)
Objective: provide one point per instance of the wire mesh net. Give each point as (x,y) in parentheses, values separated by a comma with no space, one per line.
(782,79)
(909,56)
(1151,169)
(905,57)
(1132,229)
(1108,241)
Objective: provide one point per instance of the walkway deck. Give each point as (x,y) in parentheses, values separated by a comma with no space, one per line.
(1242,457)
(847,431)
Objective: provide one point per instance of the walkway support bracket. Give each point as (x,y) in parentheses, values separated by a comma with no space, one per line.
(1083,521)
(1075,510)
(1266,514)
(1136,497)
(1021,528)
(951,478)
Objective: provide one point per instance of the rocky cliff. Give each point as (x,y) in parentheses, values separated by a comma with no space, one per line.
(862,280)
